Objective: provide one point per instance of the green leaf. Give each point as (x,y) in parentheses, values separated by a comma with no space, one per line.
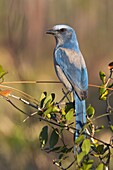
(100,149)
(2,72)
(63,112)
(103,92)
(100,167)
(86,146)
(94,147)
(80,157)
(43,95)
(102,77)
(87,165)
(43,137)
(55,109)
(79,139)
(48,111)
(102,89)
(53,138)
(69,106)
(90,111)
(111,128)
(69,114)
(49,100)
(48,116)
(53,96)
(42,98)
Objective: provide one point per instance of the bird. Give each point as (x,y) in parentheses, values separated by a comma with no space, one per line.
(71,70)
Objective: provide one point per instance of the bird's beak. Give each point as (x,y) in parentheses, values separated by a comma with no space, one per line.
(53,32)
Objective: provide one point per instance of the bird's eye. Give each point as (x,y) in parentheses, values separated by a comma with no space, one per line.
(62,30)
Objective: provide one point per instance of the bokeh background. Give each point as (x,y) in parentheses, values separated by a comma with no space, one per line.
(26,52)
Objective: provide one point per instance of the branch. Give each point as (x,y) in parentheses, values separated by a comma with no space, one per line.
(8,100)
(46,82)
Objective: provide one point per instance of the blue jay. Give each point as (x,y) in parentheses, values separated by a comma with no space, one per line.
(71,69)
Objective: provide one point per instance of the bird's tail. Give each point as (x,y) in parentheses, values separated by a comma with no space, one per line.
(80,112)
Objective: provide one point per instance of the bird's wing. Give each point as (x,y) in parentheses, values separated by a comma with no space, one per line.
(74,68)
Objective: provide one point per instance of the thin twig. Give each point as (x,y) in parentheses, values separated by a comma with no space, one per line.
(46,81)
(70,164)
(24,101)
(8,100)
(27,96)
(71,129)
(100,116)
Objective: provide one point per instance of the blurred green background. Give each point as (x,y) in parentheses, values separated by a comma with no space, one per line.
(26,52)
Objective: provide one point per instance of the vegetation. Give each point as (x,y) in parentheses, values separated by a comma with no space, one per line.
(59,118)
(26,53)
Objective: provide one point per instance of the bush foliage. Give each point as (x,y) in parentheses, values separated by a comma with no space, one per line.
(87,151)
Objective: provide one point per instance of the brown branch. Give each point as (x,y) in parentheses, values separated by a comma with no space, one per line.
(48,82)
(8,100)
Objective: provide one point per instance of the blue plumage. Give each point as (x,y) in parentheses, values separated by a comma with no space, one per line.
(71,69)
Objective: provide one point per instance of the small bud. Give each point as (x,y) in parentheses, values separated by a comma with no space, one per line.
(110,66)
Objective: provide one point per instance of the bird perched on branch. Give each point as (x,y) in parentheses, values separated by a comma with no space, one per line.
(71,69)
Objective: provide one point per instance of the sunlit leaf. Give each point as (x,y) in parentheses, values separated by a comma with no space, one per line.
(55,109)
(48,111)
(86,146)
(102,89)
(43,137)
(69,114)
(48,116)
(63,112)
(102,77)
(43,95)
(79,139)
(49,100)
(103,93)
(42,98)
(100,167)
(53,138)
(5,93)
(80,157)
(51,110)
(90,111)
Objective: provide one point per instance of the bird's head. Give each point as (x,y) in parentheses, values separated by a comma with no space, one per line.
(65,35)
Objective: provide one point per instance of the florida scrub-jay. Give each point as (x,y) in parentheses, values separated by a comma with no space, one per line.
(71,69)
